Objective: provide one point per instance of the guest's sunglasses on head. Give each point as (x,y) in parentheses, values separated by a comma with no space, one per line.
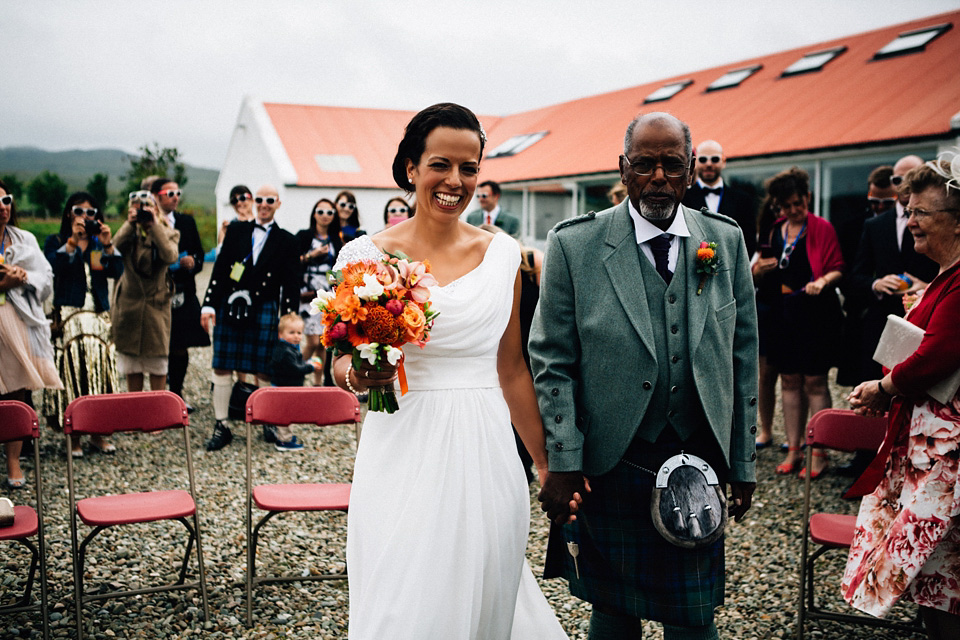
(243,197)
(325,212)
(398,210)
(81,211)
(349,206)
(706,159)
(268,200)
(171,193)
(6,200)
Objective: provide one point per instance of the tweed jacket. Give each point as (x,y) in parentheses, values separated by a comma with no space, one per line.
(140,312)
(592,348)
(505,220)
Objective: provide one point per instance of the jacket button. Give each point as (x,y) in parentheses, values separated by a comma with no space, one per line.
(558,446)
(554,392)
(671,413)
(753,429)
(268,274)
(753,401)
(674,389)
(647,385)
(753,457)
(672,298)
(558,419)
(674,329)
(675,359)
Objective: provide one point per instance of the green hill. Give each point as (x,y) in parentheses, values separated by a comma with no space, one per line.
(77,166)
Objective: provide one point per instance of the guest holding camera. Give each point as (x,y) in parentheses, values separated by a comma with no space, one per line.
(142,298)
(83,257)
(317,246)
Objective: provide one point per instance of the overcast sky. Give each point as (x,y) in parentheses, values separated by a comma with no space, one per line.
(120,74)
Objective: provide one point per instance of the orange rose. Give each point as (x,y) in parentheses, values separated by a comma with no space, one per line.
(411,322)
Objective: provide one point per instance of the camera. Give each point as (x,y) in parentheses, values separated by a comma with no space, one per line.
(91,228)
(140,198)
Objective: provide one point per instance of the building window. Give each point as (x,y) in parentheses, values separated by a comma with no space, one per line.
(812,61)
(337,163)
(912,41)
(733,78)
(516,144)
(667,91)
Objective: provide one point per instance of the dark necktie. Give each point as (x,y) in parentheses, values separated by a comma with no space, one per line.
(660,246)
(906,243)
(717,191)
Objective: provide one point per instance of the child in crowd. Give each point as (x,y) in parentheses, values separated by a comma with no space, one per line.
(288,370)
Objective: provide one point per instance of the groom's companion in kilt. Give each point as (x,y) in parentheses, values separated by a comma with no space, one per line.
(643,347)
(255,280)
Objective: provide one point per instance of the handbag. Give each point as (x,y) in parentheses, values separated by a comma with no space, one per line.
(688,505)
(238,399)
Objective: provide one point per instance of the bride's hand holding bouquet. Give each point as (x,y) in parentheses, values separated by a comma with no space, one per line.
(375,309)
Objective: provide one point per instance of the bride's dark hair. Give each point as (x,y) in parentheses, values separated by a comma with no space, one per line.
(444,114)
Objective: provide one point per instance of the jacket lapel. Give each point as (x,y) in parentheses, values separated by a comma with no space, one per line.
(622,262)
(697,306)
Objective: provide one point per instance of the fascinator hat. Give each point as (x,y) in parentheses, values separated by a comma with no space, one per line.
(947,165)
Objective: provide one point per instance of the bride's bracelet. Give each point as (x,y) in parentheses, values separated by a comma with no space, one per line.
(346,379)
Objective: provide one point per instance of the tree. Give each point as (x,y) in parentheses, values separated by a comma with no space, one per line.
(14,185)
(155,161)
(97,187)
(48,192)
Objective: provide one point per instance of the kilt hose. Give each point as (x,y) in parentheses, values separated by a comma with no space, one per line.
(625,565)
(245,348)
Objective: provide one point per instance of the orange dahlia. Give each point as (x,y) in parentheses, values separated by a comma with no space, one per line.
(705,253)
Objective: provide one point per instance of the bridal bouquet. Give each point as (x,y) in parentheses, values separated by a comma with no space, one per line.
(374,309)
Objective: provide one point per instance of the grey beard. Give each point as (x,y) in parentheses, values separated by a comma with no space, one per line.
(656,213)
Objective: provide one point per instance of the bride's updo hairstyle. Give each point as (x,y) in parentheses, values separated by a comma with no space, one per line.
(444,114)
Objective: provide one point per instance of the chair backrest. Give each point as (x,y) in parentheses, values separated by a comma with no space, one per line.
(138,411)
(17,421)
(844,430)
(302,405)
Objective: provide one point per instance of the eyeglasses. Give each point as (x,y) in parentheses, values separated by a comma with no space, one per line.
(483,196)
(706,159)
(325,212)
(880,203)
(81,211)
(243,197)
(672,167)
(6,200)
(170,193)
(349,206)
(398,210)
(896,180)
(921,214)
(268,200)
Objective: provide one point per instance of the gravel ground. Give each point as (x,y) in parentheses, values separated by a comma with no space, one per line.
(762,551)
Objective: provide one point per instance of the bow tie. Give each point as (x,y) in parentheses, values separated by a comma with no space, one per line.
(717,191)
(263,227)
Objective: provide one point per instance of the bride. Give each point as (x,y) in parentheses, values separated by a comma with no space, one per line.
(439,509)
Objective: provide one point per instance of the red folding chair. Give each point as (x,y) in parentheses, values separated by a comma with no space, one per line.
(841,430)
(285,406)
(18,421)
(103,415)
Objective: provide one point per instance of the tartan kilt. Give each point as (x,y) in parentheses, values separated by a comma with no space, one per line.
(248,348)
(626,565)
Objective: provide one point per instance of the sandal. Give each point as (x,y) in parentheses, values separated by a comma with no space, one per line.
(104,446)
(16,483)
(764,445)
(814,475)
(787,468)
(76,453)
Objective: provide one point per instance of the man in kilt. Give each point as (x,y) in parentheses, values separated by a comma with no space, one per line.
(255,280)
(640,352)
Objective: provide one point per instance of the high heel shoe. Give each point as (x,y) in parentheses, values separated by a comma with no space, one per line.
(786,468)
(814,475)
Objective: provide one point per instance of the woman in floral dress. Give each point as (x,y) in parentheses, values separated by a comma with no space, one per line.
(907,540)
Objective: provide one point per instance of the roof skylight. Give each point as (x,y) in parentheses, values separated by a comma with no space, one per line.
(667,91)
(516,144)
(337,163)
(733,78)
(813,61)
(912,41)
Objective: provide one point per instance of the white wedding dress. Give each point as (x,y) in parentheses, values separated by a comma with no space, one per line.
(439,510)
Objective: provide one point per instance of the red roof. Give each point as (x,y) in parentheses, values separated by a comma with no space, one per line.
(853,100)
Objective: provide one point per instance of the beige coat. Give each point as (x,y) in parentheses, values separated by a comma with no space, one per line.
(140,309)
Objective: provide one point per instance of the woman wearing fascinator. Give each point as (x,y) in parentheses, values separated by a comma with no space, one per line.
(907,539)
(439,506)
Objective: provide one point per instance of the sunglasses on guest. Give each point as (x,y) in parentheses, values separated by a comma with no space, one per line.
(896,180)
(880,203)
(349,206)
(243,197)
(268,200)
(81,211)
(325,212)
(706,159)
(398,210)
(170,193)
(6,200)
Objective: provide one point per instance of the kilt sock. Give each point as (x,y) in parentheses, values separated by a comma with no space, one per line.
(222,386)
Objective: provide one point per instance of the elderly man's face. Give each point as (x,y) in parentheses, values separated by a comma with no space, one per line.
(658,144)
(267,202)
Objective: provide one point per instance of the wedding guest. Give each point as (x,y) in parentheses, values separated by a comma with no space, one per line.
(26,353)
(617,193)
(446,559)
(907,539)
(140,309)
(396,211)
(349,216)
(317,246)
(241,199)
(83,258)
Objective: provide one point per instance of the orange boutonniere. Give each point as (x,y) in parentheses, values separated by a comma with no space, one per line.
(707,262)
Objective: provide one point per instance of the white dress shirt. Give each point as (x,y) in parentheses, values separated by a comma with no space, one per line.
(646,231)
(711,199)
